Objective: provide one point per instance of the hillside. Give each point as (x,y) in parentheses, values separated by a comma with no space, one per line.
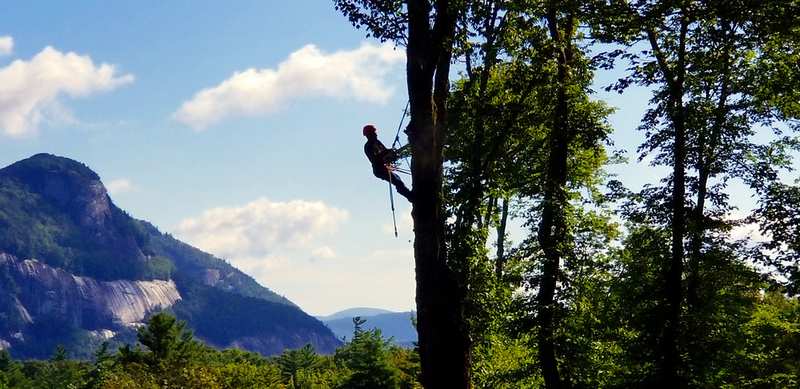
(77,270)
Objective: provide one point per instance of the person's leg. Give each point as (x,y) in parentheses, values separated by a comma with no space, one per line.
(401,188)
(398,183)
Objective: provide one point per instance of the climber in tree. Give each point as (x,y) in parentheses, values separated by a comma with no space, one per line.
(382,159)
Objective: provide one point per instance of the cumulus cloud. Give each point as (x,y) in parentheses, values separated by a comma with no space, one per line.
(30,90)
(259,228)
(120,185)
(295,249)
(6,45)
(357,74)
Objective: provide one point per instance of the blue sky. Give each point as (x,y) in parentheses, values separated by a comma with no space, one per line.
(303,157)
(266,167)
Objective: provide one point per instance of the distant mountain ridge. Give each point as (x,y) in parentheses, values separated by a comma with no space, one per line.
(353,312)
(396,325)
(77,270)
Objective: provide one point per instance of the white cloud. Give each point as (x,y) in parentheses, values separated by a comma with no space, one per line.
(260,228)
(29,90)
(120,185)
(357,74)
(323,252)
(6,45)
(749,231)
(288,246)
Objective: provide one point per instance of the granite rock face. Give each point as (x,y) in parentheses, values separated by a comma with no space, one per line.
(84,302)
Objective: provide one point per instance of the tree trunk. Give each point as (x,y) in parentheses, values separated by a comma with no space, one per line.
(674,274)
(673,288)
(469,211)
(501,241)
(443,342)
(552,234)
(705,161)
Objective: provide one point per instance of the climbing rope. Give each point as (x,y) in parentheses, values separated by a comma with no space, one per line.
(400,170)
(397,140)
(391,167)
(399,126)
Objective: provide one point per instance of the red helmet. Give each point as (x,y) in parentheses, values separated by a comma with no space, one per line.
(369,129)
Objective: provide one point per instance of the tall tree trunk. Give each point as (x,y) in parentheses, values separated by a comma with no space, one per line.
(469,211)
(673,289)
(706,159)
(443,341)
(552,233)
(674,274)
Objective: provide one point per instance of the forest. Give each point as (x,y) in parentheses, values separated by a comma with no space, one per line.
(609,285)
(168,356)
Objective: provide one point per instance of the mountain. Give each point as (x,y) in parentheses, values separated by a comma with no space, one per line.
(397,325)
(353,312)
(76,270)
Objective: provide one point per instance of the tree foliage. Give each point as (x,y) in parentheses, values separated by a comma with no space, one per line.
(168,356)
(598,285)
(626,288)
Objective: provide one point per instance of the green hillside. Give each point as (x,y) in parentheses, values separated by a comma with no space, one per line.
(56,211)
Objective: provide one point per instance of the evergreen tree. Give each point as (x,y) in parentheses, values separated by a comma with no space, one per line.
(293,362)
(367,357)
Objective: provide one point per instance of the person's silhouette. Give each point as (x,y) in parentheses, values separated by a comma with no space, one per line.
(381,159)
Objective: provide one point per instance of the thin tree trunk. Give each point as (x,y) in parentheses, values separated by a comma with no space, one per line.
(705,161)
(552,233)
(469,212)
(443,343)
(670,351)
(487,219)
(501,241)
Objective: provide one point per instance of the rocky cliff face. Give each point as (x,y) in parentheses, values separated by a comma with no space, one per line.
(84,302)
(76,270)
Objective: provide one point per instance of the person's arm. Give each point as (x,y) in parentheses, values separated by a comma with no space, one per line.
(403,152)
(385,155)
